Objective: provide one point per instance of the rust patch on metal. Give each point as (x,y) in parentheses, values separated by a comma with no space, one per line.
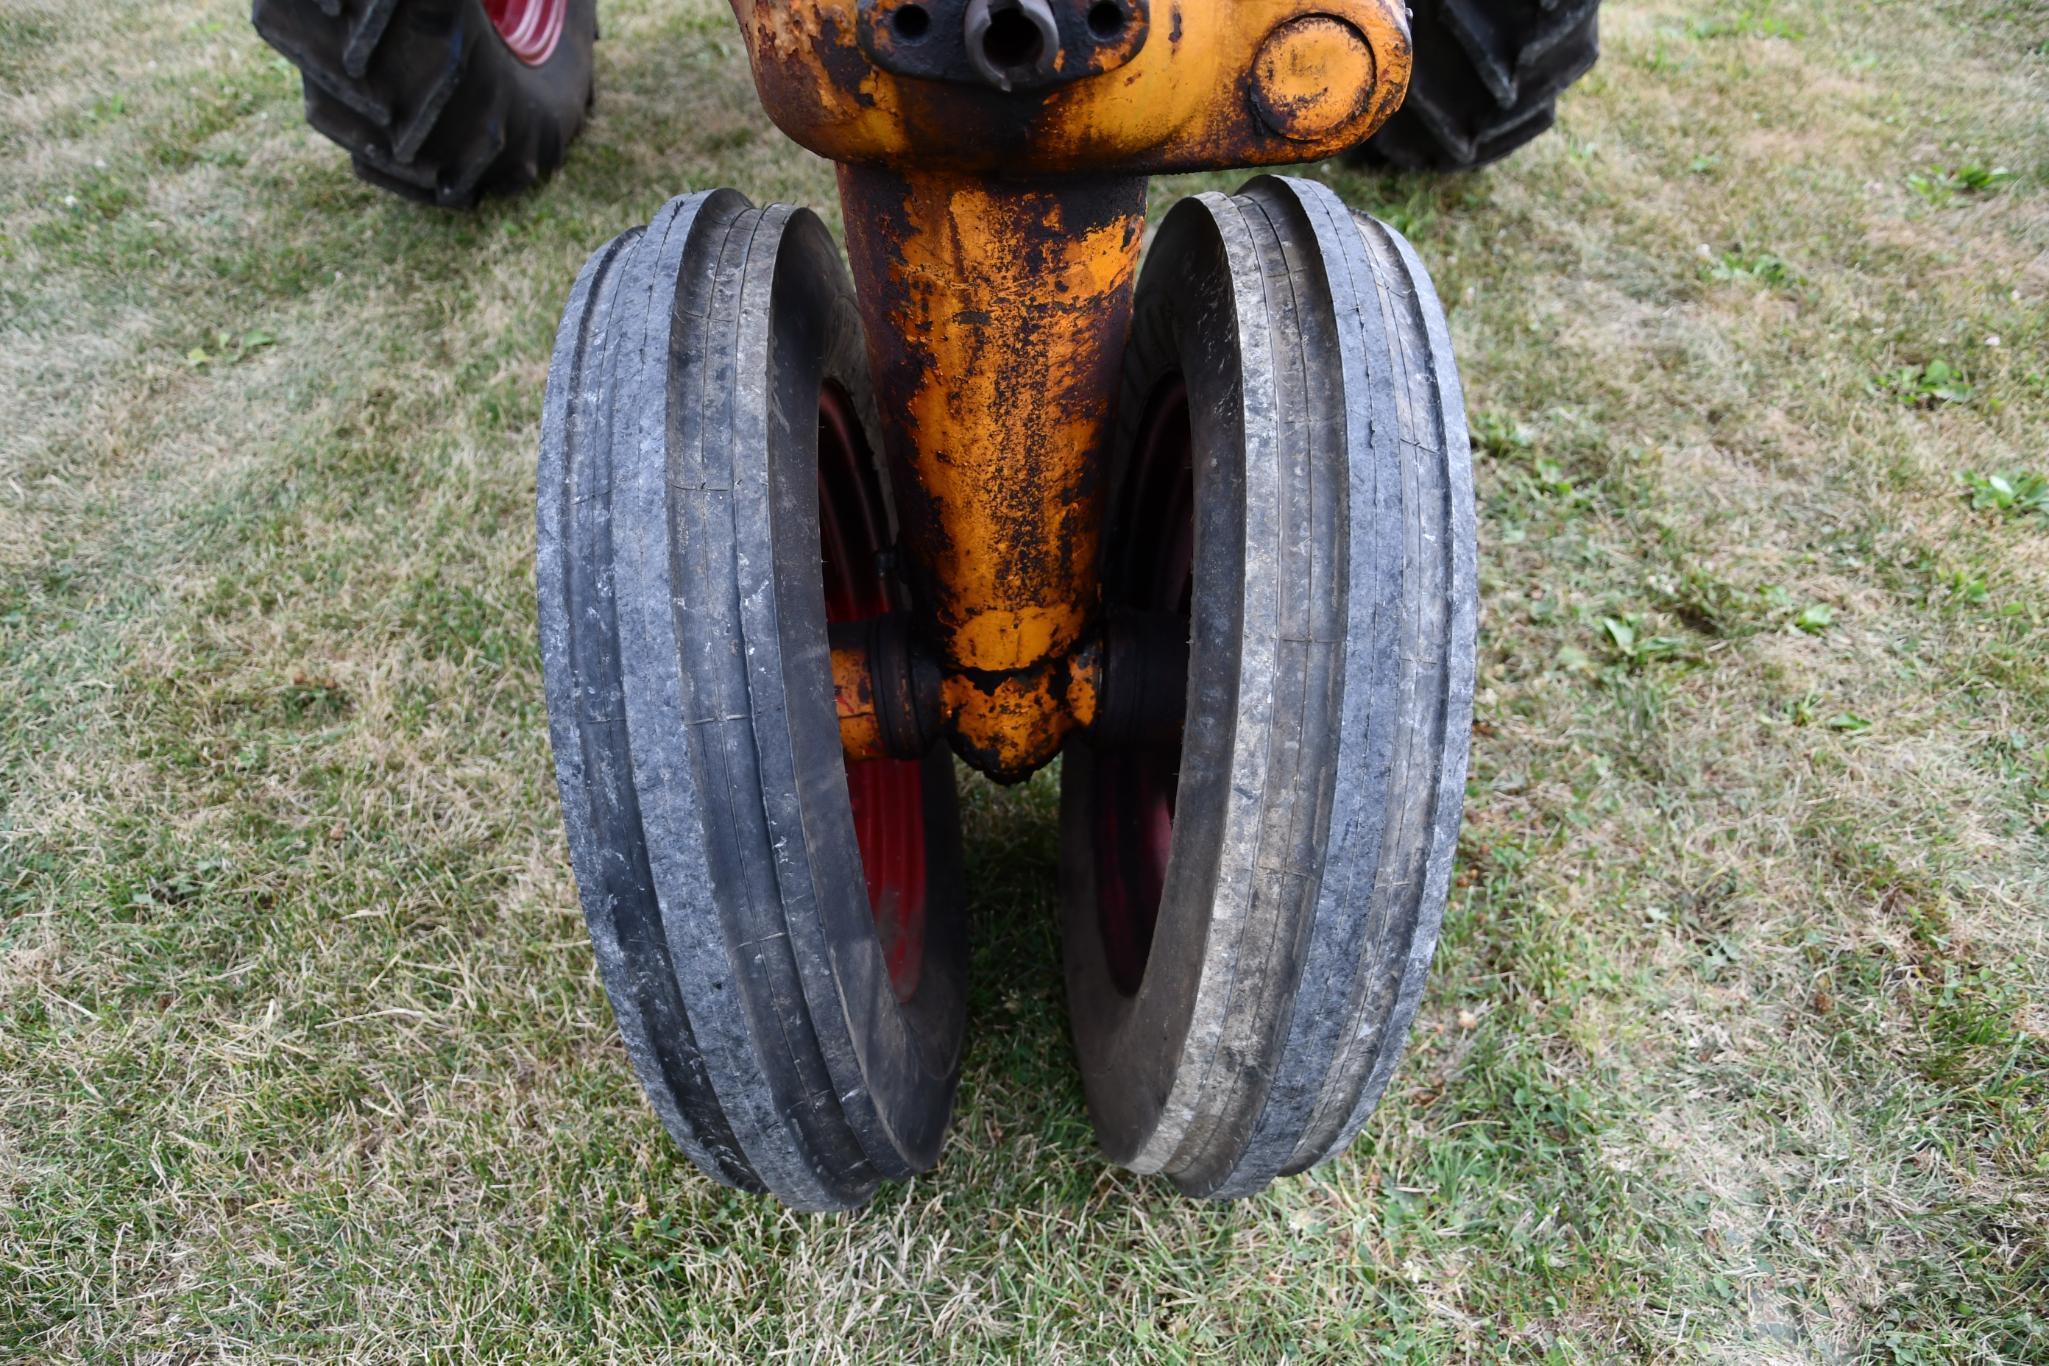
(996,319)
(994,238)
(853,699)
(1183,104)
(1010,725)
(892,701)
(887,689)
(1125,683)
(1314,77)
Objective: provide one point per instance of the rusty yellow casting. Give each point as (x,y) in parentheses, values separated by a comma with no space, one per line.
(994,204)
(996,318)
(1184,101)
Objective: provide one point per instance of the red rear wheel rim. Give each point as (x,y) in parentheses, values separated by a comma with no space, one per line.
(888,795)
(530,28)
(1150,568)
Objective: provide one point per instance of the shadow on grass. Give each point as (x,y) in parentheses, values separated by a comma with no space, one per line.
(1021,1131)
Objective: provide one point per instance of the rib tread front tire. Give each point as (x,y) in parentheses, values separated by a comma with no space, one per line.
(684,646)
(1330,691)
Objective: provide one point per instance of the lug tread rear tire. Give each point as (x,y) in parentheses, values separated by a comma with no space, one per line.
(426,98)
(1487,77)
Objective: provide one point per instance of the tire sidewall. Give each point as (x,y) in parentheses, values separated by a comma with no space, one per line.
(1131,1046)
(907,1052)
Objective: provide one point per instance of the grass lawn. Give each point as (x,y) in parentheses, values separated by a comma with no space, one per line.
(1738,1041)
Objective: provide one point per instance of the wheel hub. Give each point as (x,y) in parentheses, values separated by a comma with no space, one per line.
(531,28)
(1151,569)
(888,795)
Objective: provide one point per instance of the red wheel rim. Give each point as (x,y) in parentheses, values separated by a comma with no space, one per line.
(531,28)
(1150,568)
(888,795)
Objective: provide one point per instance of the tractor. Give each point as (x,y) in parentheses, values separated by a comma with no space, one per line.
(817,528)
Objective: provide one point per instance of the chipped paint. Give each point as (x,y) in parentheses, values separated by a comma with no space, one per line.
(994,238)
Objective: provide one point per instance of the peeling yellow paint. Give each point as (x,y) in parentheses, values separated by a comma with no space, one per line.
(994,238)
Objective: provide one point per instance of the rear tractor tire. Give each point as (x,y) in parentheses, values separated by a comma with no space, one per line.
(1487,79)
(442,101)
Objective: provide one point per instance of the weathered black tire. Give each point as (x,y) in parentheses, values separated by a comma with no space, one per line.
(683,641)
(1321,775)
(425,96)
(1487,79)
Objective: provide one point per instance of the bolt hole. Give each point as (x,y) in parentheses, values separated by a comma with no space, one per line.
(911,22)
(1012,41)
(1106,20)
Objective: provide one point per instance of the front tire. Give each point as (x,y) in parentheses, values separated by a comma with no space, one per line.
(442,101)
(1249,914)
(780,932)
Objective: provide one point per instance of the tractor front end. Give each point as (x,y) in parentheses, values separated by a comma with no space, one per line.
(1202,532)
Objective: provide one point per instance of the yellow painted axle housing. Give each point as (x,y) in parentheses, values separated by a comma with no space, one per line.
(994,238)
